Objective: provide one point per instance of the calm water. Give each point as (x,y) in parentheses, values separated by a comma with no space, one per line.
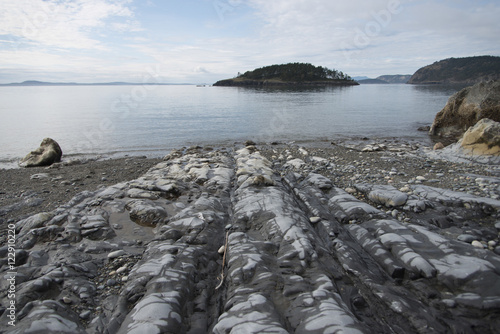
(151,120)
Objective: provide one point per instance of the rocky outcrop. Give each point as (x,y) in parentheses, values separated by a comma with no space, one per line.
(300,254)
(466,108)
(483,138)
(480,144)
(46,154)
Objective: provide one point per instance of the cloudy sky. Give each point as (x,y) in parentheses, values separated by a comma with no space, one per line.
(201,41)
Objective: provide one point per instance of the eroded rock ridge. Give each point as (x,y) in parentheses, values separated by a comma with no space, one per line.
(302,255)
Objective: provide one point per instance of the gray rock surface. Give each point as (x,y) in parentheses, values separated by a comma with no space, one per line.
(301,255)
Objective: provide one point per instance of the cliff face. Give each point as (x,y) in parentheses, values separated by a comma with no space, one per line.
(470,70)
(466,108)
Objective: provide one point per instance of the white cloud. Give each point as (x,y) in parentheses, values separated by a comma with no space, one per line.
(368,37)
(63,24)
(196,45)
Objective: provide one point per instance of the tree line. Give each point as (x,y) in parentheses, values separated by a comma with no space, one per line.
(295,72)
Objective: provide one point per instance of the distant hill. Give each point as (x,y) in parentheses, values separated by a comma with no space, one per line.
(397,79)
(360,78)
(43,83)
(372,82)
(289,74)
(469,70)
(387,79)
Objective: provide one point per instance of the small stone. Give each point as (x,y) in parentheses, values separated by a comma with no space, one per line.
(315,220)
(303,151)
(111,282)
(85,315)
(438,146)
(404,189)
(228,227)
(222,250)
(420,178)
(112,273)
(449,303)
(116,254)
(121,270)
(180,205)
(39,176)
(350,190)
(250,143)
(497,226)
(466,238)
(124,278)
(477,244)
(492,243)
(67,300)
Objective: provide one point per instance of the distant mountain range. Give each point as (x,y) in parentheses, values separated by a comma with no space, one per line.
(469,70)
(43,83)
(385,79)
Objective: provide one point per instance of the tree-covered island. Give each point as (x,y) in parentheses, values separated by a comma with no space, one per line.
(291,74)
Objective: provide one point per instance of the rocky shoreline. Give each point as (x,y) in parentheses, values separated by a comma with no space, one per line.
(366,237)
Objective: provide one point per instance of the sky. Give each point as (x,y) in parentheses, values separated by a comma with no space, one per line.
(202,41)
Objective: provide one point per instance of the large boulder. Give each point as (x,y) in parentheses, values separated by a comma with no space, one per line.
(465,108)
(479,144)
(45,155)
(483,138)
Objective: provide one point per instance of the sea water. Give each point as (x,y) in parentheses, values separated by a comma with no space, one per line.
(151,120)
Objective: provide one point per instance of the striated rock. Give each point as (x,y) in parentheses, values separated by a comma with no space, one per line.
(483,138)
(146,212)
(381,194)
(465,108)
(48,316)
(299,255)
(46,154)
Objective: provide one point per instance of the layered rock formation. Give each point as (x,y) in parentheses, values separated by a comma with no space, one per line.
(466,108)
(46,154)
(301,254)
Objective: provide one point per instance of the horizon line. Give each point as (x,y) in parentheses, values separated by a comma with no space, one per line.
(111,83)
